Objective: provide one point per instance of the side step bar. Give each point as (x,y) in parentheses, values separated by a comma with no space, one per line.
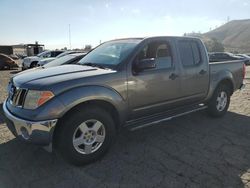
(135,127)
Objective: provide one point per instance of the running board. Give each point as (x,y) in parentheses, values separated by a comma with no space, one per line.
(132,126)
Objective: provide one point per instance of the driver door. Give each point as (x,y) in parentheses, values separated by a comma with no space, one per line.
(154,90)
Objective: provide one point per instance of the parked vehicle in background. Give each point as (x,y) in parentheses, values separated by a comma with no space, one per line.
(6,62)
(223,56)
(47,60)
(30,62)
(66,59)
(246,57)
(125,83)
(70,52)
(13,56)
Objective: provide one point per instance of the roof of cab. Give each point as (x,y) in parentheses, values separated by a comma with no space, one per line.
(155,37)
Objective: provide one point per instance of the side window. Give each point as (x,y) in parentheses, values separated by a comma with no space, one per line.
(186,53)
(190,53)
(223,56)
(196,53)
(58,53)
(160,51)
(53,54)
(47,55)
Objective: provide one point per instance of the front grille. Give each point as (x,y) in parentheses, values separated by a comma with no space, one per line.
(17,96)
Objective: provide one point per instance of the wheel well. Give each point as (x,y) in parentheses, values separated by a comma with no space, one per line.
(229,84)
(33,62)
(102,104)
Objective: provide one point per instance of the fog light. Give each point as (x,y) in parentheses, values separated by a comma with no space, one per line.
(24,133)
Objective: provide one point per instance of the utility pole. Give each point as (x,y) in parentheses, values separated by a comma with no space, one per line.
(69,38)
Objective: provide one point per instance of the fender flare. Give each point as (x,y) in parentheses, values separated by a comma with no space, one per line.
(73,97)
(219,78)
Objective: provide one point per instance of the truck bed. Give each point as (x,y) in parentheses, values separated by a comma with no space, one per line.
(232,69)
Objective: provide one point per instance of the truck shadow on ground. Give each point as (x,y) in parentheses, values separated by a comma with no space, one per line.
(2,117)
(16,71)
(192,151)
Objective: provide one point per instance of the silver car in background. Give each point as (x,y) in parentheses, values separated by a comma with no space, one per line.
(67,59)
(31,62)
(47,60)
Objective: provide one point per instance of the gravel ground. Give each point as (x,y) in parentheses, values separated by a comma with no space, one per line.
(192,151)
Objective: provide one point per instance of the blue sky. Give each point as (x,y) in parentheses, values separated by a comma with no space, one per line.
(47,21)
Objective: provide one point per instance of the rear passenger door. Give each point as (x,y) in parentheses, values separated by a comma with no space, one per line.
(195,72)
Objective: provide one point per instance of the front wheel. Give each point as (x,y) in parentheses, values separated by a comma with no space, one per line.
(33,64)
(86,135)
(219,103)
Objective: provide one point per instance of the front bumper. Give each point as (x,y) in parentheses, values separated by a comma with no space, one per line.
(37,132)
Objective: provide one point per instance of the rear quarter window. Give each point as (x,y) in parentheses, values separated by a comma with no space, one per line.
(189,52)
(196,52)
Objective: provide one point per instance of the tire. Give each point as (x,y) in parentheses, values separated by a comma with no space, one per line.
(33,64)
(83,136)
(219,103)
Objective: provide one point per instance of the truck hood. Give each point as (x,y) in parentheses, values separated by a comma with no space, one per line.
(37,78)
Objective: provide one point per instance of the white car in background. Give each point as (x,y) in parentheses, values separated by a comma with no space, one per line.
(47,60)
(30,62)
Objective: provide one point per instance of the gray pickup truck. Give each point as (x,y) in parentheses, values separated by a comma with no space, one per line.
(78,109)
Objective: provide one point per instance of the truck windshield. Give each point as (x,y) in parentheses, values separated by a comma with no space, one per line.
(110,54)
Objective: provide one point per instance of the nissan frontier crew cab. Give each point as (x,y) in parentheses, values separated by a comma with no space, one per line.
(78,109)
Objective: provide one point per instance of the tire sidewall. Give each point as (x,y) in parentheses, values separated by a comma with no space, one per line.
(212,109)
(68,127)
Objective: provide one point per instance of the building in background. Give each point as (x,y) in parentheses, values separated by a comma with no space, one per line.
(8,50)
(22,49)
(28,49)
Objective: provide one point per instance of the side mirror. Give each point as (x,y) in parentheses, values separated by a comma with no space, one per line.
(145,64)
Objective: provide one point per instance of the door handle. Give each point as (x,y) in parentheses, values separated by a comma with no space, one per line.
(173,76)
(202,72)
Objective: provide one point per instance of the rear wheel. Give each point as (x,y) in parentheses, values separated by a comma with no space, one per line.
(85,136)
(219,103)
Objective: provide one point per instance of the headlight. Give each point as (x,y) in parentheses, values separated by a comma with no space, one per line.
(34,99)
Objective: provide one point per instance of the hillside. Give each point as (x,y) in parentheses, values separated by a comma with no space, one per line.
(234,35)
